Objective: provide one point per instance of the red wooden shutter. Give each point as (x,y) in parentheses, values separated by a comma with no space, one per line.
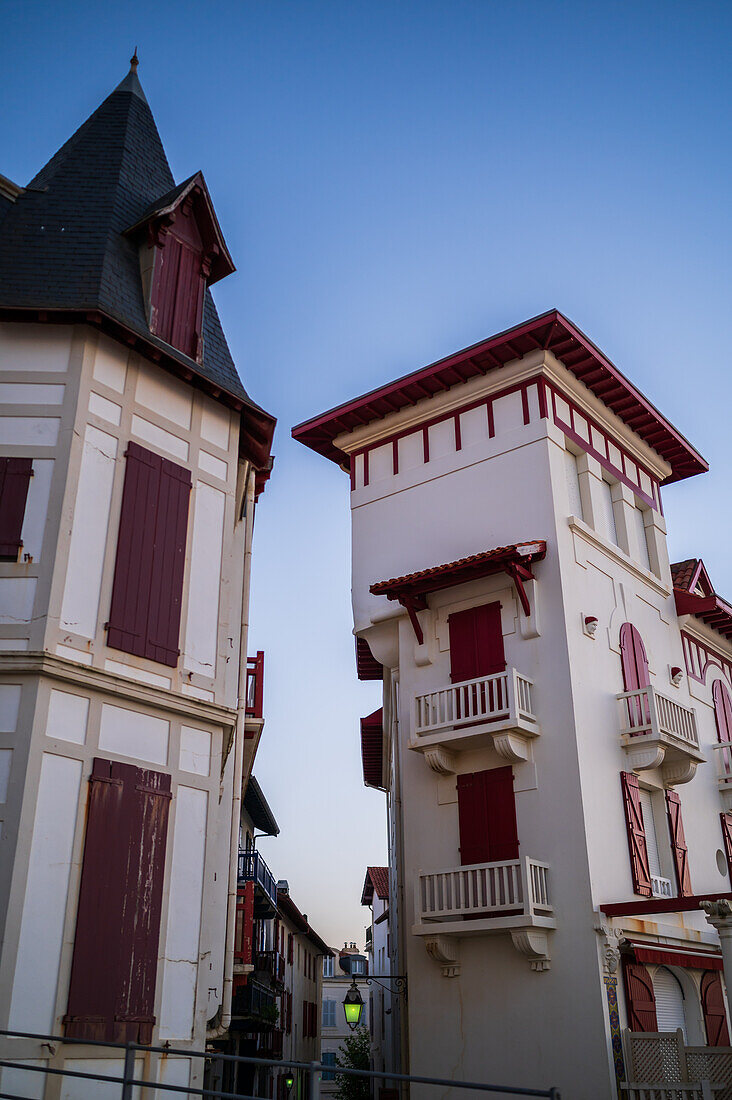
(487,816)
(634,659)
(715,1016)
(290,948)
(114,966)
(678,844)
(639,997)
(726,820)
(476,643)
(722,710)
(636,834)
(305,1019)
(144,616)
(15,474)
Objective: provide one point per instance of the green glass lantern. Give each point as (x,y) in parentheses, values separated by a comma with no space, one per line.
(353,1006)
(289,1081)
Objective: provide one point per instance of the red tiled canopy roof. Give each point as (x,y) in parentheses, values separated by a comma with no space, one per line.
(709,607)
(551,331)
(458,572)
(377,880)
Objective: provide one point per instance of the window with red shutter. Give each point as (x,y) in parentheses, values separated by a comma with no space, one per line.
(144,616)
(179,286)
(15,475)
(476,643)
(304,1019)
(678,844)
(487,816)
(636,834)
(715,1015)
(726,820)
(640,1000)
(290,948)
(114,965)
(722,701)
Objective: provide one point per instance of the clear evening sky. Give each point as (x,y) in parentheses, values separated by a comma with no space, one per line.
(396,181)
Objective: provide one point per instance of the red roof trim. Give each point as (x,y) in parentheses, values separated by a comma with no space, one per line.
(458,572)
(367,667)
(640,907)
(710,609)
(376,881)
(551,331)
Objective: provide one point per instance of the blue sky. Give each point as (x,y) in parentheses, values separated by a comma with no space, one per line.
(396,181)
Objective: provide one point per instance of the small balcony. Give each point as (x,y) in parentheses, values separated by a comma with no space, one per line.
(271,1044)
(254,708)
(497,708)
(252,868)
(512,895)
(658,732)
(723,760)
(255,1004)
(272,964)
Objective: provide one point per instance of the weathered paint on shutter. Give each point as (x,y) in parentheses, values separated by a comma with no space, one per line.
(639,997)
(476,643)
(144,616)
(15,474)
(636,834)
(678,844)
(165,292)
(715,1015)
(726,820)
(114,966)
(487,816)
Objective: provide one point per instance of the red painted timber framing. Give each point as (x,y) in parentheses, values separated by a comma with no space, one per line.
(417,585)
(551,331)
(712,610)
(659,905)
(698,656)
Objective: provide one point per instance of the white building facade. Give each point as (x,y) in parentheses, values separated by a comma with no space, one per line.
(382,995)
(131,458)
(333,1027)
(555,712)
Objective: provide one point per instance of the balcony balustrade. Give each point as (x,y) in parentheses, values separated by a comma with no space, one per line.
(252,868)
(510,895)
(272,964)
(658,732)
(497,708)
(256,1003)
(662,887)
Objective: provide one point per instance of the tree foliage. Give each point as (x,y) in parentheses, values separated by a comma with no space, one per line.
(354,1053)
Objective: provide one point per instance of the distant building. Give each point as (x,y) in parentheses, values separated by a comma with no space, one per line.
(131,458)
(556,721)
(339,972)
(378,947)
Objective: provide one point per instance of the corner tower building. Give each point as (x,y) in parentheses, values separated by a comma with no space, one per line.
(131,457)
(556,718)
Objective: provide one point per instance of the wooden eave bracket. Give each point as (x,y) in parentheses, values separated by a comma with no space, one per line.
(520,573)
(413,604)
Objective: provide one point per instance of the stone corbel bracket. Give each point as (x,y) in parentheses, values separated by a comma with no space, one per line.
(444,950)
(441,760)
(534,944)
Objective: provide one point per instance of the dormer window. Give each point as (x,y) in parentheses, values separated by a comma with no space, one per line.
(182,253)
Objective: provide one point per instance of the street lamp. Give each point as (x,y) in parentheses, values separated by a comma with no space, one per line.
(289,1081)
(353,1006)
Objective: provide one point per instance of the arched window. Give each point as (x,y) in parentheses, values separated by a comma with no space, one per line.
(635,674)
(669,1001)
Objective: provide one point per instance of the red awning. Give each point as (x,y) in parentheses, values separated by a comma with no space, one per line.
(367,667)
(668,955)
(500,560)
(372,749)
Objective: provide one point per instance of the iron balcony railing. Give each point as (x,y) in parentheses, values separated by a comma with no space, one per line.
(272,964)
(252,868)
(253,999)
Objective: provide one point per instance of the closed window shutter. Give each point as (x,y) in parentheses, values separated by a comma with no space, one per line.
(726,820)
(144,616)
(114,965)
(638,849)
(678,844)
(487,816)
(639,997)
(634,659)
(669,1001)
(715,1016)
(476,643)
(15,475)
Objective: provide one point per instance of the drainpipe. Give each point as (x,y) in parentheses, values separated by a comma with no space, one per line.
(225,1023)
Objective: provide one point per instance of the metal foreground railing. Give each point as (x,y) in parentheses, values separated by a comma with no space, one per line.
(130,1084)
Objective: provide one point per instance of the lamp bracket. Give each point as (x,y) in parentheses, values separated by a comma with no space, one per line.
(399,980)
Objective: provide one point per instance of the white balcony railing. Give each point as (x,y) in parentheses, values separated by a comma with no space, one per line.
(661,887)
(502,697)
(516,886)
(723,758)
(647,711)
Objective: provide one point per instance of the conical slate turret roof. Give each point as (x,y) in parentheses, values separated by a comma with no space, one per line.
(62,242)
